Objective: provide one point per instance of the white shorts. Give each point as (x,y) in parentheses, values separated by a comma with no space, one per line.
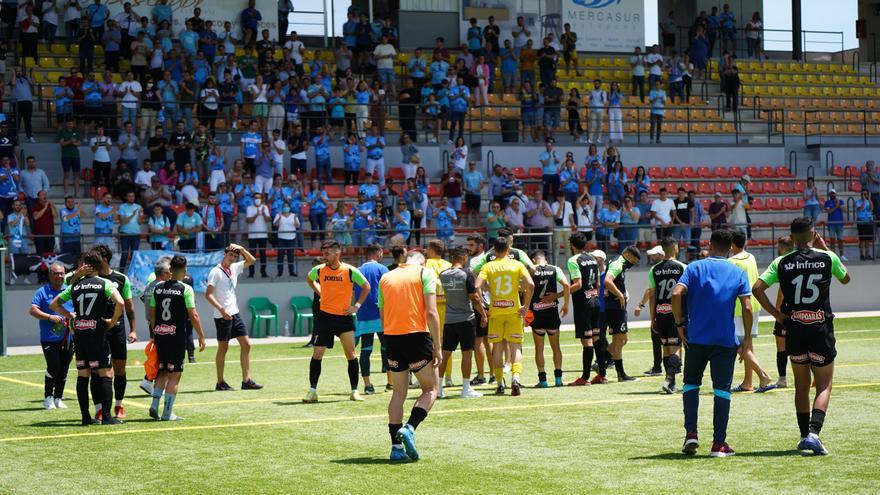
(738,325)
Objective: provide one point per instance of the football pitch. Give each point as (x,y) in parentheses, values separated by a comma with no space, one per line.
(619,438)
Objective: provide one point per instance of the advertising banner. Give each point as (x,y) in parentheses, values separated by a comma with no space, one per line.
(197,265)
(606,25)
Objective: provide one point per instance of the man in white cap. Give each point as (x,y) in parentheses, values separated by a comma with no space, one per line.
(655,255)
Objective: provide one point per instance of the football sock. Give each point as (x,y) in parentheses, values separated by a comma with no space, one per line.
(119,383)
(95,386)
(48,385)
(157,395)
(169,406)
(106,396)
(465,383)
(365,360)
(803,420)
(392,430)
(657,349)
(557,373)
(515,371)
(353,373)
(416,416)
(618,366)
(82,395)
(586,361)
(721,415)
(816,421)
(314,372)
(781,363)
(542,376)
(499,375)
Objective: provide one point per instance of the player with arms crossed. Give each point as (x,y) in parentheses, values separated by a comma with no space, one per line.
(93,297)
(583,269)
(804,275)
(172,305)
(550,286)
(408,303)
(334,281)
(662,278)
(505,277)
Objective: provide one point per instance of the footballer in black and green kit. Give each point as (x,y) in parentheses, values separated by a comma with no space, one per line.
(662,278)
(550,286)
(615,306)
(804,276)
(97,306)
(583,271)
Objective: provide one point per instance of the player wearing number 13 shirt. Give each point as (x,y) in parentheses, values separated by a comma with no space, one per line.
(93,299)
(804,276)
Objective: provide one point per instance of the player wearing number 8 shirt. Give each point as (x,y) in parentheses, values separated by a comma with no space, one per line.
(171,307)
(804,275)
(583,270)
(504,278)
(93,298)
(662,278)
(550,286)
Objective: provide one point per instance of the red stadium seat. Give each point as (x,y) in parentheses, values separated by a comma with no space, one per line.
(789,203)
(434,191)
(758,205)
(768,172)
(98,192)
(688,173)
(688,186)
(723,187)
(771,187)
(179,209)
(704,173)
(673,173)
(773,204)
(351,191)
(529,189)
(519,173)
(305,209)
(786,188)
(735,172)
(395,173)
(656,172)
(837,171)
(705,203)
(721,172)
(333,191)
(536,173)
(800,187)
(655,188)
(756,188)
(752,171)
(855,187)
(706,188)
(783,172)
(799,205)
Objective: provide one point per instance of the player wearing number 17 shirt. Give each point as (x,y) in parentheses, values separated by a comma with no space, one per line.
(504,278)
(93,298)
(662,278)
(804,275)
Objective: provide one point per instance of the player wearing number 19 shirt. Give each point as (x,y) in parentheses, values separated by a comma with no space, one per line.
(93,298)
(804,275)
(662,278)
(583,270)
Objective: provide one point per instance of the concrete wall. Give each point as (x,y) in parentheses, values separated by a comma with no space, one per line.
(848,155)
(859,295)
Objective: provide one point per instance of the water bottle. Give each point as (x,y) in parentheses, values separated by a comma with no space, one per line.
(161,117)
(287,329)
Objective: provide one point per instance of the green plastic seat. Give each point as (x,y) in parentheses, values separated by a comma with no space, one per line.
(262,310)
(302,313)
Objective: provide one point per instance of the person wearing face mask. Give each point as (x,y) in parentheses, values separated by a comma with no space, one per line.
(286,224)
(257,217)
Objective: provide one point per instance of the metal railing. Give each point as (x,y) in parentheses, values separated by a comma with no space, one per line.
(817,40)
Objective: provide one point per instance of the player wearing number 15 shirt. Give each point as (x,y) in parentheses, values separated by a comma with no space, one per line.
(804,276)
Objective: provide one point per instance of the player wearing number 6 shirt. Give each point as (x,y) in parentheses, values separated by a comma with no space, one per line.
(550,286)
(804,275)
(334,281)
(93,298)
(171,307)
(662,278)
(583,270)
(504,278)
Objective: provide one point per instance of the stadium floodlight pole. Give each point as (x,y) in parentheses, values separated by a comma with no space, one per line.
(2,302)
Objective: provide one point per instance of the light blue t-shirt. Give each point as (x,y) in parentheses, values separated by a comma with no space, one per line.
(251,141)
(713,287)
(189,40)
(161,223)
(372,271)
(570,175)
(552,166)
(188,221)
(374,152)
(439,69)
(608,216)
(473,181)
(458,98)
(103,225)
(133,226)
(658,101)
(72,225)
(595,187)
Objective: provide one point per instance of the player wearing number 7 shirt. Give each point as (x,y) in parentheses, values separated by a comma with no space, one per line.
(804,275)
(504,278)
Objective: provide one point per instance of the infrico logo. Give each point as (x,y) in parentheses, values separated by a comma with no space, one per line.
(595,4)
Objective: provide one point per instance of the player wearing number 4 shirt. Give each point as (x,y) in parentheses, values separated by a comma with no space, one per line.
(583,270)
(504,278)
(804,275)
(170,308)
(93,298)
(661,280)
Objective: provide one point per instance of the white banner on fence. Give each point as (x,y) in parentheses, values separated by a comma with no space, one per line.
(216,11)
(606,25)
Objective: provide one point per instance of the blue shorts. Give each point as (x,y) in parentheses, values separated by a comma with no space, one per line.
(835,230)
(528,119)
(551,118)
(363,327)
(386,76)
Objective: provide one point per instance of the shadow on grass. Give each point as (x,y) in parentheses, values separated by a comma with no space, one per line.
(678,456)
(369,460)
(23,409)
(301,403)
(77,422)
(647,392)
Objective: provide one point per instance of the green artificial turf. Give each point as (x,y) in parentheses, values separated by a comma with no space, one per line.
(620,438)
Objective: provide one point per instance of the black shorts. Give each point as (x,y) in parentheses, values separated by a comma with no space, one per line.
(866,231)
(118,341)
(412,351)
(171,350)
(778,329)
(462,332)
(664,325)
(90,348)
(616,320)
(337,122)
(586,319)
(472,201)
(298,166)
(814,344)
(481,330)
(230,329)
(328,326)
(546,319)
(70,164)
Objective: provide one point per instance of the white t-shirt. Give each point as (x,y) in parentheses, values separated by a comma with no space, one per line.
(102,154)
(459,157)
(50,12)
(258,229)
(663,209)
(295,47)
(143,177)
(566,212)
(584,218)
(278,158)
(129,100)
(224,284)
(286,226)
(259,93)
(71,13)
(386,49)
(655,70)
